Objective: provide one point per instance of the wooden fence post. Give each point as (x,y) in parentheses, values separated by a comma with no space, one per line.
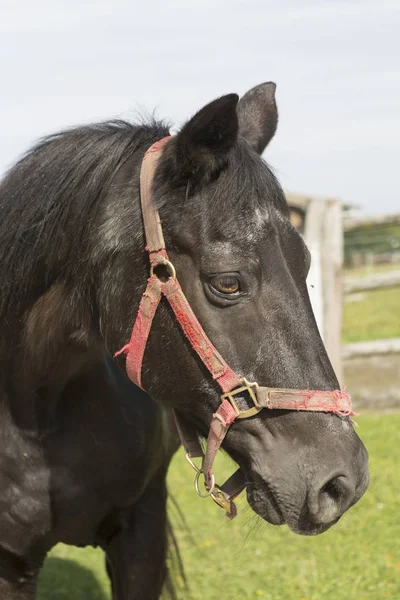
(323,234)
(312,236)
(332,265)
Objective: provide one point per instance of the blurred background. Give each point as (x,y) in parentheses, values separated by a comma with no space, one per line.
(336,153)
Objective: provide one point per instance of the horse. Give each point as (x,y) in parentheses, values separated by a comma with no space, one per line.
(84,451)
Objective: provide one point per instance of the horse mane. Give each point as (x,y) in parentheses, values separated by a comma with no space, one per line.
(48,198)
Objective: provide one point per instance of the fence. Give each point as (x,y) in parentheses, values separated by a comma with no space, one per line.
(321,224)
(372,241)
(370,370)
(372,373)
(373,282)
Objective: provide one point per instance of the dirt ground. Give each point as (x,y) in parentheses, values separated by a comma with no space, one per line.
(373,381)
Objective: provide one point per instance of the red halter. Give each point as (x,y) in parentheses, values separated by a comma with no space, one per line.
(233,386)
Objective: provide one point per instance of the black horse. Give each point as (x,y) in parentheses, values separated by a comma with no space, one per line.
(83,452)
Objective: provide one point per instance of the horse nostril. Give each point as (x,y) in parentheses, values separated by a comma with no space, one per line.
(331,490)
(331,500)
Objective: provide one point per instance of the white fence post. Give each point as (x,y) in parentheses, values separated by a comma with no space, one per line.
(323,234)
(332,265)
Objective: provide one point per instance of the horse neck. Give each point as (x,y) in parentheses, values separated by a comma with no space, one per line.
(58,330)
(46,352)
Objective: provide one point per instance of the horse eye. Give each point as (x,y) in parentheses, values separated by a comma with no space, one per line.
(226,284)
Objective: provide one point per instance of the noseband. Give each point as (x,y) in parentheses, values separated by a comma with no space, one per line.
(240,398)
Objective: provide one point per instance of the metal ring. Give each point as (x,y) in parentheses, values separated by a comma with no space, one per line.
(169,266)
(197,488)
(192,464)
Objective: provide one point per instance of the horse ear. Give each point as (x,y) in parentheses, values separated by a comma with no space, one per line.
(205,140)
(258,116)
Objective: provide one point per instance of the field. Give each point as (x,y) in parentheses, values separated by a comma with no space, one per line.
(373,314)
(358,559)
(376,315)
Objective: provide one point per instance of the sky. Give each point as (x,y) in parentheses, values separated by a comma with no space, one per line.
(336,64)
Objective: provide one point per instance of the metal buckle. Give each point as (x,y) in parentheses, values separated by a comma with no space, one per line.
(214,492)
(248,387)
(219,498)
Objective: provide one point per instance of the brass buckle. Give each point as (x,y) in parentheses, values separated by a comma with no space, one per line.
(250,388)
(219,498)
(214,492)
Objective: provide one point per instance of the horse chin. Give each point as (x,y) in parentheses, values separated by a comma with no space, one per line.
(264,503)
(310,528)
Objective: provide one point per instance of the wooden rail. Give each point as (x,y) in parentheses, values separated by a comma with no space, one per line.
(367,222)
(372,282)
(371,348)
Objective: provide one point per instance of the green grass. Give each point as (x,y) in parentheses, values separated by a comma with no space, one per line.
(357,559)
(375,316)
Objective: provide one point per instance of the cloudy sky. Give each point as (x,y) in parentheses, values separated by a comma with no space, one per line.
(336,63)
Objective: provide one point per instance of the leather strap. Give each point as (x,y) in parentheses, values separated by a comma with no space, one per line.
(136,347)
(151,219)
(221,421)
(189,437)
(190,441)
(208,354)
(336,401)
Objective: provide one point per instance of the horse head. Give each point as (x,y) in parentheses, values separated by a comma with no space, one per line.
(243,268)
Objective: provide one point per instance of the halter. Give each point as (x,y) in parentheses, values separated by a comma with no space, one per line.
(234,387)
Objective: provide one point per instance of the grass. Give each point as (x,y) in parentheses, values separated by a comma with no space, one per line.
(357,559)
(375,316)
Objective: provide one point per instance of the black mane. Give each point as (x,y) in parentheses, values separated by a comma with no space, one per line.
(48,197)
